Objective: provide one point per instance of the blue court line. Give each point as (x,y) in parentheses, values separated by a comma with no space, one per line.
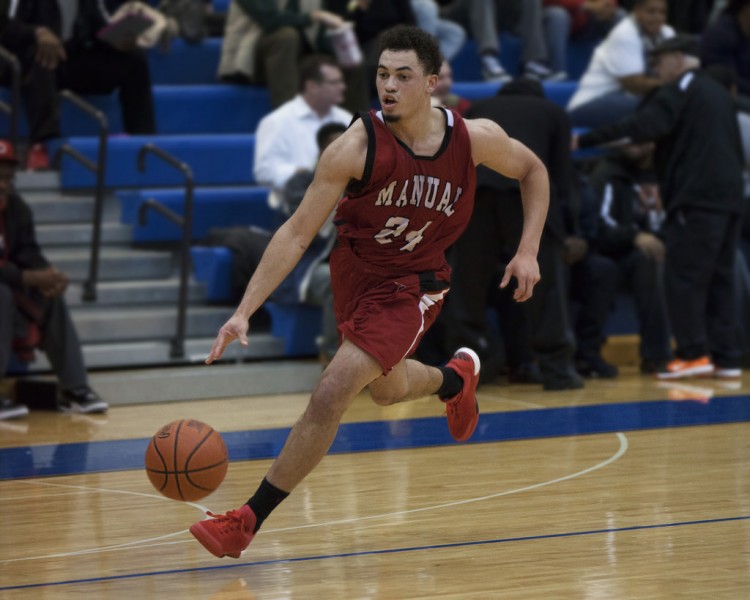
(297,559)
(119,455)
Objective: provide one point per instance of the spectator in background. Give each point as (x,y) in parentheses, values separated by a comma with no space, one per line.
(727,42)
(618,74)
(443,95)
(699,164)
(578,20)
(264,43)
(630,218)
(521,109)
(449,34)
(310,280)
(33,313)
(285,141)
(57,46)
(371,19)
(484,19)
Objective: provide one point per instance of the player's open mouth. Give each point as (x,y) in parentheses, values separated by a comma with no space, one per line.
(388,101)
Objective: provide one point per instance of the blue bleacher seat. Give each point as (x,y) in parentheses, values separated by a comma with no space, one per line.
(221,108)
(214,159)
(180,109)
(212,207)
(297,324)
(186,63)
(212,266)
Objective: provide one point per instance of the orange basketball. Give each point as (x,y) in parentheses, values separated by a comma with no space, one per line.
(186,460)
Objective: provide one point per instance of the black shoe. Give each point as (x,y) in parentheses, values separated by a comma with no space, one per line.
(650,366)
(10,409)
(525,373)
(596,366)
(556,383)
(82,400)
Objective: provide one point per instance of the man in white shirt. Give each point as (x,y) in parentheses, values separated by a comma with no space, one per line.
(285,141)
(617,75)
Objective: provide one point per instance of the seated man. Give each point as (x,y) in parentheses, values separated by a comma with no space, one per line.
(33,312)
(57,46)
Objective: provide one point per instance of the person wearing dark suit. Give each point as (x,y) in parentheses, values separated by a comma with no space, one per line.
(521,109)
(57,46)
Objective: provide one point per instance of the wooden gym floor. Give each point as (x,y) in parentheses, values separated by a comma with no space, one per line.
(627,489)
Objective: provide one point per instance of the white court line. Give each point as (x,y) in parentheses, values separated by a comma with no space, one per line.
(45,496)
(146,543)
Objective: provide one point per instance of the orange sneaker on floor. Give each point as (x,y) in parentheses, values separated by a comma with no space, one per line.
(462,410)
(679,368)
(226,535)
(37,159)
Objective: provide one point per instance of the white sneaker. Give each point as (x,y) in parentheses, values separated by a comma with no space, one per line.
(10,409)
(492,70)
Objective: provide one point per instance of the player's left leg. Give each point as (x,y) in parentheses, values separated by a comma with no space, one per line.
(455,384)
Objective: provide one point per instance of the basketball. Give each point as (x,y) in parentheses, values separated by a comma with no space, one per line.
(186,460)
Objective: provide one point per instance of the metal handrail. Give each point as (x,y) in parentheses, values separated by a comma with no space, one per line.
(99,168)
(186,223)
(12,109)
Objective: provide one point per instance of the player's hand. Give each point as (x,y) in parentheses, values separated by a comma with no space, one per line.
(49,49)
(526,271)
(234,328)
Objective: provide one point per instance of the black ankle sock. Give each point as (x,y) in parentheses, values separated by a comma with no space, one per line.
(452,383)
(266,498)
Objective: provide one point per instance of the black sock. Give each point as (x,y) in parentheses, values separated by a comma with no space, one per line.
(266,498)
(452,384)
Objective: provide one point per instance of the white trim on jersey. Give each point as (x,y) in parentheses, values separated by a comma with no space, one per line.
(448,115)
(426,302)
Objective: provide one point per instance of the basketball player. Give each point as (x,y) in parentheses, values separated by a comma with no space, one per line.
(407,174)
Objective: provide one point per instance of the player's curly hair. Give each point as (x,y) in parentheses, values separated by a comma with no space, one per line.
(403,38)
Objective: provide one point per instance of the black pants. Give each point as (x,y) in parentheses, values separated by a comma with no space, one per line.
(494,230)
(59,339)
(95,69)
(700,284)
(592,292)
(645,278)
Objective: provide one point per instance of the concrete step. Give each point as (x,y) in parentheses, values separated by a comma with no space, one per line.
(201,382)
(51,207)
(114,263)
(145,354)
(129,293)
(77,234)
(37,180)
(98,324)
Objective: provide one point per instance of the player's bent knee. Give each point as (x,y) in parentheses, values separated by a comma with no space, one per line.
(386,396)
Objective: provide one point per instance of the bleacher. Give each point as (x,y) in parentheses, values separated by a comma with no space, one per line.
(210,127)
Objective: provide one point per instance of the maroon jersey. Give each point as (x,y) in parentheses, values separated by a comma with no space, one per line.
(408,209)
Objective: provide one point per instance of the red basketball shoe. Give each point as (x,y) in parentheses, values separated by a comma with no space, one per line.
(226,535)
(463,410)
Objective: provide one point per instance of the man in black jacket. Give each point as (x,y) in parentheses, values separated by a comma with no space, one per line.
(698,161)
(521,109)
(33,312)
(56,44)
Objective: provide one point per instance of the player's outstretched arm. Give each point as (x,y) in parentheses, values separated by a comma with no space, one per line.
(342,161)
(493,148)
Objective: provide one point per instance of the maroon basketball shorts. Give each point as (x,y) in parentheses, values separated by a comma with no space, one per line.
(384,315)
